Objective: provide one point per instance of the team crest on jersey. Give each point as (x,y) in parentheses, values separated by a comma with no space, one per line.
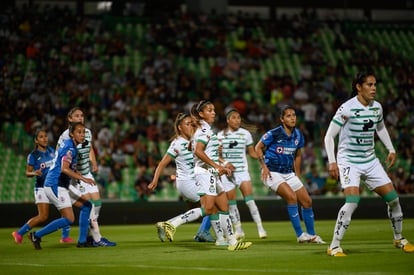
(296,142)
(279,149)
(347,180)
(82,189)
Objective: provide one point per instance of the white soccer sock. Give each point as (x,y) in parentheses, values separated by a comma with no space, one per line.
(235,216)
(227,228)
(189,216)
(216,225)
(97,211)
(94,226)
(396,217)
(342,222)
(254,212)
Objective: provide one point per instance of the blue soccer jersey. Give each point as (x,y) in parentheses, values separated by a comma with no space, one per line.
(55,177)
(281,149)
(41,160)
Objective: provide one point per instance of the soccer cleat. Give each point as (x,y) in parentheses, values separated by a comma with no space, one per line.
(204,236)
(316,239)
(262,233)
(17,237)
(86,245)
(160,231)
(239,246)
(304,238)
(404,244)
(66,240)
(335,252)
(169,231)
(104,242)
(90,239)
(35,241)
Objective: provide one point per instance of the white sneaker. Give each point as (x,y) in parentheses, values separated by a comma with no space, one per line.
(316,239)
(262,233)
(304,238)
(160,231)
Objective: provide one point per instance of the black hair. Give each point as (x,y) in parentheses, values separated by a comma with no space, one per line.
(201,104)
(229,112)
(360,78)
(243,124)
(71,111)
(178,119)
(36,134)
(285,108)
(196,109)
(73,125)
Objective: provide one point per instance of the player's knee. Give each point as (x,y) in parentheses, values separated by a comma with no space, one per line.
(42,218)
(291,198)
(395,202)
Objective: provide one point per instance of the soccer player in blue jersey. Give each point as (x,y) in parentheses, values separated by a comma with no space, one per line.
(38,164)
(86,165)
(179,152)
(56,187)
(280,156)
(356,121)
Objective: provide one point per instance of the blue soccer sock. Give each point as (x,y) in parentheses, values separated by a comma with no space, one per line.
(24,229)
(85,211)
(52,227)
(65,232)
(205,224)
(308,219)
(294,218)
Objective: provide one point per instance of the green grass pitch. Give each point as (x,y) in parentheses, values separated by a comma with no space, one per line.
(368,244)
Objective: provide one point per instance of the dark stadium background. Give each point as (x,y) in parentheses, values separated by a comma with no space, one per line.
(382,17)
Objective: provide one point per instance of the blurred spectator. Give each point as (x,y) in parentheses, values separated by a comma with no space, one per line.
(315,182)
(399,177)
(119,161)
(141,186)
(104,176)
(332,186)
(53,59)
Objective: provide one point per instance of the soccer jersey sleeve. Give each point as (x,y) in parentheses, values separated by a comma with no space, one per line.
(267,138)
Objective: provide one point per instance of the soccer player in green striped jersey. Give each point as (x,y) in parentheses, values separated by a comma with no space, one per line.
(356,121)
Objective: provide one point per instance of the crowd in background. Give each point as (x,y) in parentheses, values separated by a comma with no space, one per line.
(131,115)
